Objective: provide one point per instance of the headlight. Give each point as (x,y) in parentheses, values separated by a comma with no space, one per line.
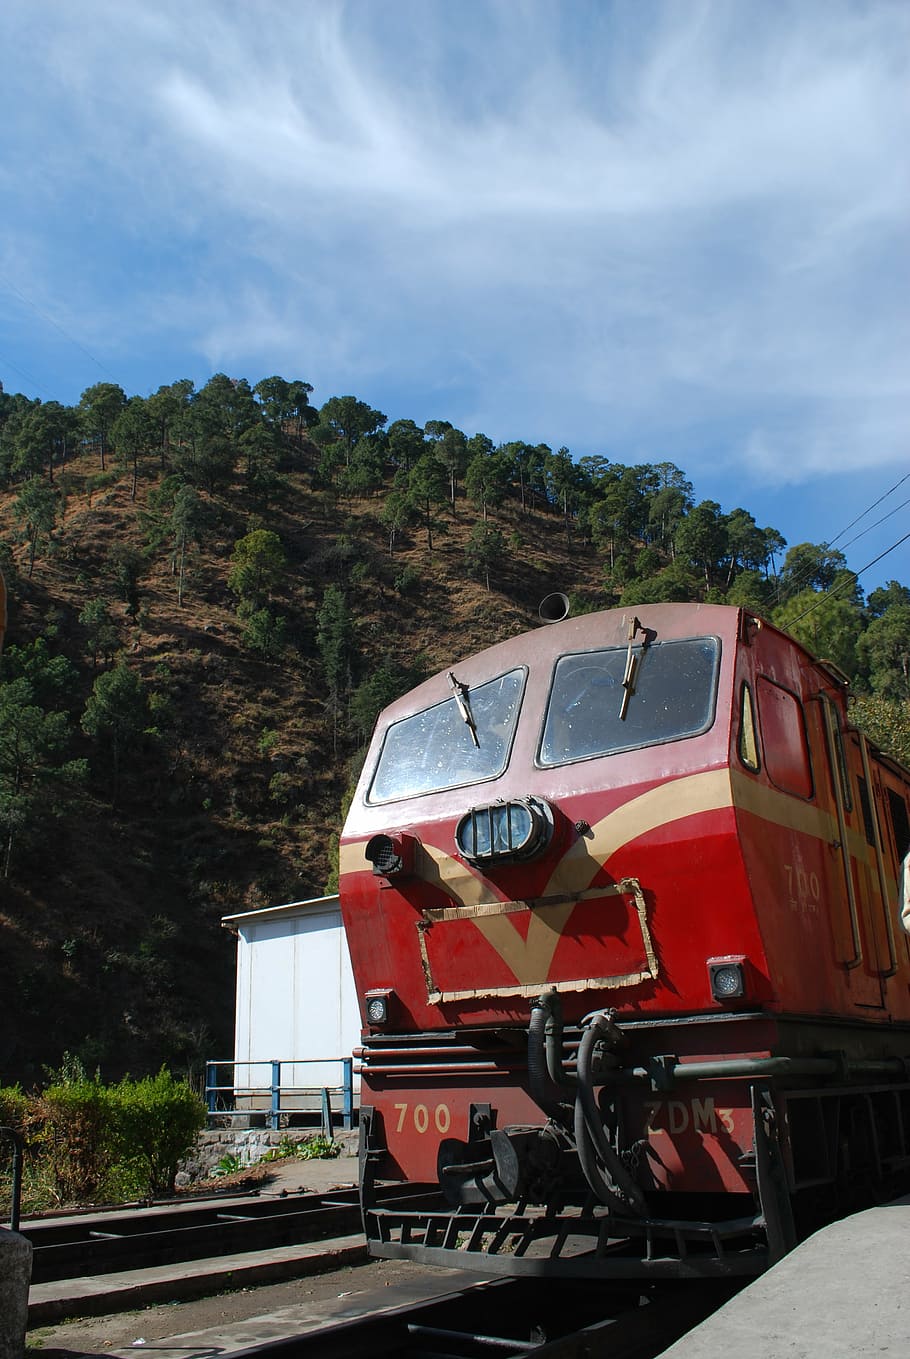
(504,831)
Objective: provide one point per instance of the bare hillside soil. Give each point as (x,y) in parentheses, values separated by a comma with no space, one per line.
(110,923)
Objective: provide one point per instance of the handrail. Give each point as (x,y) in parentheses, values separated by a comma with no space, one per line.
(872,794)
(663,1077)
(18,1156)
(276,1090)
(828,721)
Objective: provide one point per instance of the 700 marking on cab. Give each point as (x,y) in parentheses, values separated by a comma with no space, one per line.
(420,1116)
(672,1116)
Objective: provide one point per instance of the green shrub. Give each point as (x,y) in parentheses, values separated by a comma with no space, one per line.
(408,581)
(13,1110)
(313,1147)
(88,1140)
(281,787)
(155,1122)
(13,1107)
(268,740)
(317,1148)
(75,1137)
(228,1165)
(264,632)
(286,1148)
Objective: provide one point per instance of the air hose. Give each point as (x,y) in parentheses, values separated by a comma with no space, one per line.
(602,1165)
(550,1095)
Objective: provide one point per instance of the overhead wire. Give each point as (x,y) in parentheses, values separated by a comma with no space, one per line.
(51,322)
(849,580)
(804,577)
(873,506)
(23,373)
(902,506)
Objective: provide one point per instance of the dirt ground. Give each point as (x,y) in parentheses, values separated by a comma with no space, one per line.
(296,1305)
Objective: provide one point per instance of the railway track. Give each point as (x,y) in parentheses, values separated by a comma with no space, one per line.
(515,1319)
(507,1318)
(141,1238)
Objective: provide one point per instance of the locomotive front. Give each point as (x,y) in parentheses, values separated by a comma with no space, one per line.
(552,936)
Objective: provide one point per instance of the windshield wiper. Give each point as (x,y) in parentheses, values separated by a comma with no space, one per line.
(464,707)
(633,660)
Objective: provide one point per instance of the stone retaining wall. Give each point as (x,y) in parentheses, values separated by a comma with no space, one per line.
(248,1145)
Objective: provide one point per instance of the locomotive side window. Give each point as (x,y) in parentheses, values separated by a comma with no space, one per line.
(900,823)
(784,743)
(842,770)
(673,696)
(436,748)
(748,745)
(866,809)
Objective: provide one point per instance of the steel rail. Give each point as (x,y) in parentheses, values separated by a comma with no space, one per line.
(110,1242)
(513,1319)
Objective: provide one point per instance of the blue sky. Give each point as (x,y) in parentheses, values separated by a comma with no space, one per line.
(652,231)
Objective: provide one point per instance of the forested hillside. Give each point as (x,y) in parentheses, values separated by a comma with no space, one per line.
(212,592)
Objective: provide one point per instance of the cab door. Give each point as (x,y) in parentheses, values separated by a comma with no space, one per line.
(861,939)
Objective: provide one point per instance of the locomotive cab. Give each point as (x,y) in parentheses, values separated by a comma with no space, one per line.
(620,896)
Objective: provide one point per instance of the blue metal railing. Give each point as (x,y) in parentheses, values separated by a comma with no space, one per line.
(221,1097)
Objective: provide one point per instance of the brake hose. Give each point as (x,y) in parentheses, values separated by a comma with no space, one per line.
(545,1092)
(603,1168)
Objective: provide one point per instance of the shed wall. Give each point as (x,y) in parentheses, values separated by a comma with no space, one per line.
(296,1001)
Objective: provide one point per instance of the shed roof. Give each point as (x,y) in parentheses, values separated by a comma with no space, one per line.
(290,909)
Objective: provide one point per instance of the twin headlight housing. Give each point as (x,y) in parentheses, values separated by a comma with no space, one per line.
(496,832)
(504,832)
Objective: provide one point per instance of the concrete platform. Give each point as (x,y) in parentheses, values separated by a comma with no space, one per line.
(844,1292)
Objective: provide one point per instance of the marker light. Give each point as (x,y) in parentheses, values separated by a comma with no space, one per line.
(728,979)
(376,1006)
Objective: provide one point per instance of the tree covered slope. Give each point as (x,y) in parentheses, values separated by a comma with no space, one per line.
(212,593)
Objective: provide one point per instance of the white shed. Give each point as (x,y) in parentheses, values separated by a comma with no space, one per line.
(297,1018)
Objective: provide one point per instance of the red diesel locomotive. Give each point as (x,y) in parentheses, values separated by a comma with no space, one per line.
(621,896)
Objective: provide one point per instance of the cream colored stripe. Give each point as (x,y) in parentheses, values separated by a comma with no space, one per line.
(352,859)
(530,958)
(781,808)
(668,802)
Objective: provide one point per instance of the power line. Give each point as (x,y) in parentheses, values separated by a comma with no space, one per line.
(903,505)
(869,511)
(803,577)
(51,322)
(850,580)
(23,373)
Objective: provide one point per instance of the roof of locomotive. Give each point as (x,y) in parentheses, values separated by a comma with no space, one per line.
(605,628)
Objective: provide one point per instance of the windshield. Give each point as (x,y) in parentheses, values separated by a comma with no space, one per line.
(436,748)
(673,696)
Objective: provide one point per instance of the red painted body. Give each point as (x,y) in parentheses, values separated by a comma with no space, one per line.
(741,849)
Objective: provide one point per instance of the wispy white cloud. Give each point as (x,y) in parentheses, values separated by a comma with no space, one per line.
(609,225)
